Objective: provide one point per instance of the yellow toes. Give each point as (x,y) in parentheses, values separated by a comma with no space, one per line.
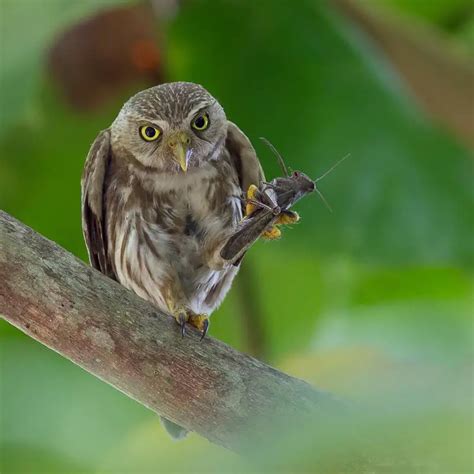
(287,217)
(251,194)
(184,315)
(200,322)
(249,208)
(272,233)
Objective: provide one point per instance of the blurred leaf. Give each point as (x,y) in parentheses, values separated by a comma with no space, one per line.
(27,28)
(466,34)
(411,284)
(412,413)
(411,431)
(24,459)
(440,12)
(150,446)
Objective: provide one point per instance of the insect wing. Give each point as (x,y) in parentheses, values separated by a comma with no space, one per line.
(248,231)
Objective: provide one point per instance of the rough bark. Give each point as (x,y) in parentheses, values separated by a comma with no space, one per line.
(207,387)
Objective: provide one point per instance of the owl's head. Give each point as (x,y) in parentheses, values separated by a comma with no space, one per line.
(171,127)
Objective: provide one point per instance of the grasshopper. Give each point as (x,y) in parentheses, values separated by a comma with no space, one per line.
(271,203)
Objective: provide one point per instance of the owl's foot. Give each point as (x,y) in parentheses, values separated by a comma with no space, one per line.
(179,313)
(285,218)
(200,322)
(252,198)
(272,233)
(182,317)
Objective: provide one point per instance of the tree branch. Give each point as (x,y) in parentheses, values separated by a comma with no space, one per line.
(207,386)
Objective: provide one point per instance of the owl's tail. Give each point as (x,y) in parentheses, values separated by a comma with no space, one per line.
(175,431)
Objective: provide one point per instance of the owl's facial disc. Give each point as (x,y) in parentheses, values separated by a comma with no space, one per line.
(179,142)
(171,128)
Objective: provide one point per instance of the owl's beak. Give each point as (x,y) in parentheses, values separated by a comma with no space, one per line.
(179,144)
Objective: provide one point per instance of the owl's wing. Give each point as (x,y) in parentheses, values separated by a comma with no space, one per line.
(92,200)
(244,157)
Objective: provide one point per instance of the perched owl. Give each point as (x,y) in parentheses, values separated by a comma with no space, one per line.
(162,192)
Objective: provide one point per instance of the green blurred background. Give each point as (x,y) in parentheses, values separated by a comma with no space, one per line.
(373,302)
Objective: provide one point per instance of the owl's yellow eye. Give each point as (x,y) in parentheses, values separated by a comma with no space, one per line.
(201,122)
(149,133)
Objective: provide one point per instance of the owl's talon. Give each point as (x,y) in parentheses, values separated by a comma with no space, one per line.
(179,313)
(182,322)
(204,329)
(200,322)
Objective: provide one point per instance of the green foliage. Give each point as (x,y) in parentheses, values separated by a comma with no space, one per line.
(372,302)
(440,12)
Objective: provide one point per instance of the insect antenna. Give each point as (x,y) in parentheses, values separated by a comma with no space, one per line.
(280,159)
(320,194)
(335,165)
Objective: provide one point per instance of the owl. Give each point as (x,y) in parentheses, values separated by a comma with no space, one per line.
(162,192)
